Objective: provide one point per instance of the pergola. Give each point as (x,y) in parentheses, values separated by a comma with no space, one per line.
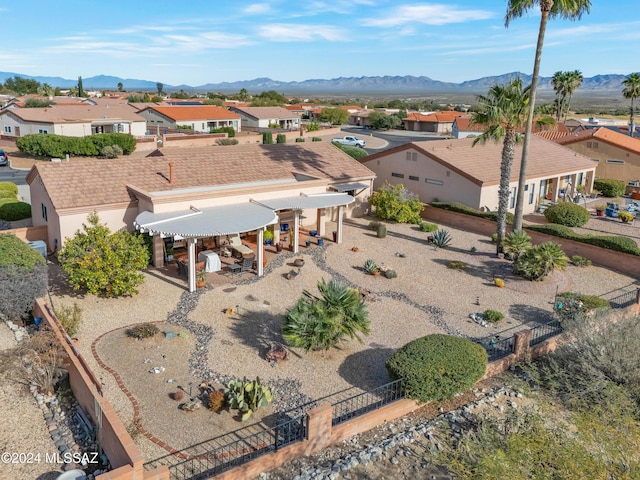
(243,217)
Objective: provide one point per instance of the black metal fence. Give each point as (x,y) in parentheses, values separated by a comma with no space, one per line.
(200,465)
(625,300)
(543,332)
(497,349)
(366,402)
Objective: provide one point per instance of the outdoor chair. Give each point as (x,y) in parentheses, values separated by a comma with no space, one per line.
(246,263)
(236,245)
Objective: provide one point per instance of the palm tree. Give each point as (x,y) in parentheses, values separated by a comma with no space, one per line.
(503,110)
(574,80)
(567,9)
(631,90)
(559,82)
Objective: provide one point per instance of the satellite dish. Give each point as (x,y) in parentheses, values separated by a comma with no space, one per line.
(73,475)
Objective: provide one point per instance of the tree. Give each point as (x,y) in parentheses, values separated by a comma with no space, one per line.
(243,95)
(334,115)
(631,91)
(574,80)
(160,88)
(21,86)
(559,82)
(566,9)
(502,111)
(23,276)
(45,90)
(321,323)
(120,87)
(395,202)
(103,263)
(80,89)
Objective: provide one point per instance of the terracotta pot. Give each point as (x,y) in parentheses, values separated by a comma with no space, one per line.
(200,284)
(599,213)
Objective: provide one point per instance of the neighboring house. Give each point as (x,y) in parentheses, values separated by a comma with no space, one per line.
(457,171)
(71,121)
(199,118)
(201,192)
(361,117)
(266,117)
(436,122)
(463,127)
(617,154)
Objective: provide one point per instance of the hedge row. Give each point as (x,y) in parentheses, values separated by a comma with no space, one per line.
(609,187)
(462,208)
(619,244)
(46,145)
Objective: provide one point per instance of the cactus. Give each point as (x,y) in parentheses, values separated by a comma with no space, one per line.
(281,138)
(391,274)
(441,238)
(370,267)
(247,397)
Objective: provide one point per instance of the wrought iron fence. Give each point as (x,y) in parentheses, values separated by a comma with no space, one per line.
(497,349)
(625,300)
(366,402)
(196,466)
(545,331)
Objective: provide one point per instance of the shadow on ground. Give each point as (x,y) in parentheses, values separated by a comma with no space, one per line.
(366,369)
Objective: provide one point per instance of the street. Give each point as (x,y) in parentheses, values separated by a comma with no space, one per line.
(393,138)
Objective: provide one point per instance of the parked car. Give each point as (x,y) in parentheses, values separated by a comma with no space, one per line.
(4,160)
(350,140)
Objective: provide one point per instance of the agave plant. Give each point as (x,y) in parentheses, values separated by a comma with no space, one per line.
(516,243)
(540,260)
(441,238)
(370,267)
(247,396)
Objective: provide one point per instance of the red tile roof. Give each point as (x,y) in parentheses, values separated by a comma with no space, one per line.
(194,112)
(605,135)
(96,183)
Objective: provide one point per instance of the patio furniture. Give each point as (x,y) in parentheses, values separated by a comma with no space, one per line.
(235,268)
(236,245)
(246,264)
(211,261)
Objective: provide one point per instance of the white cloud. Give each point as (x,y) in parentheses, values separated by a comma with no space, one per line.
(284,32)
(428,14)
(489,49)
(257,9)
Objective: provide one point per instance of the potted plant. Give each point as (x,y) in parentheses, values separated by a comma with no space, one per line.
(201,278)
(278,247)
(308,242)
(169,254)
(626,217)
(600,209)
(268,237)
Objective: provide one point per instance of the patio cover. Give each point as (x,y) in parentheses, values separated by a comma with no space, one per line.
(300,202)
(207,222)
(349,187)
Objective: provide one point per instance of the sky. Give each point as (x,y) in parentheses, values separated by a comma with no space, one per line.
(199,42)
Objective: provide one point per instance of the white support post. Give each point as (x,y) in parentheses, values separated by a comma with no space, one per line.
(320,223)
(191,249)
(296,228)
(260,256)
(339,221)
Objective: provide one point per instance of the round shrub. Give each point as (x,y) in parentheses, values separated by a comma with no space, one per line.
(427,227)
(609,187)
(14,211)
(457,265)
(492,316)
(568,214)
(436,367)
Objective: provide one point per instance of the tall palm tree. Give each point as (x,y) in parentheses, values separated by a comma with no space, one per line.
(560,82)
(574,80)
(567,9)
(503,111)
(632,91)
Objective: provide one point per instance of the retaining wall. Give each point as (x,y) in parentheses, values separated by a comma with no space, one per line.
(30,234)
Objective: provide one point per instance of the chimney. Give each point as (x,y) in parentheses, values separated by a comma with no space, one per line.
(171,164)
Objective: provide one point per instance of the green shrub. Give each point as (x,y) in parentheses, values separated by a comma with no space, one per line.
(313,127)
(281,138)
(516,243)
(394,202)
(12,211)
(111,151)
(316,139)
(609,187)
(70,318)
(373,226)
(492,316)
(436,367)
(571,305)
(494,238)
(9,187)
(49,145)
(569,214)
(427,227)
(579,261)
(626,217)
(227,141)
(354,152)
(619,244)
(540,260)
(299,140)
(142,330)
(457,265)
(267,138)
(228,130)
(462,208)
(7,194)
(441,239)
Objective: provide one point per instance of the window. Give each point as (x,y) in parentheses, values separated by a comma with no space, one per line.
(512,198)
(615,162)
(44,211)
(532,189)
(397,175)
(7,129)
(432,181)
(203,126)
(589,144)
(412,156)
(411,177)
(41,130)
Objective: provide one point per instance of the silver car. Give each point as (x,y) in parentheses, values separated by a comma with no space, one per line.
(4,160)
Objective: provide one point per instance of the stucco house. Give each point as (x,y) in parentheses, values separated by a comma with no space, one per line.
(71,120)
(437,122)
(198,193)
(199,118)
(617,154)
(265,117)
(457,171)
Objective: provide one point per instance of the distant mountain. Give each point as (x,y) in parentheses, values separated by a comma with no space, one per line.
(386,84)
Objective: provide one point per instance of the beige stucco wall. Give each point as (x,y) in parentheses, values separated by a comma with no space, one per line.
(76,129)
(627,172)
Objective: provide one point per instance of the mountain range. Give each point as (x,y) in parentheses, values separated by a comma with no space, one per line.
(361,85)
